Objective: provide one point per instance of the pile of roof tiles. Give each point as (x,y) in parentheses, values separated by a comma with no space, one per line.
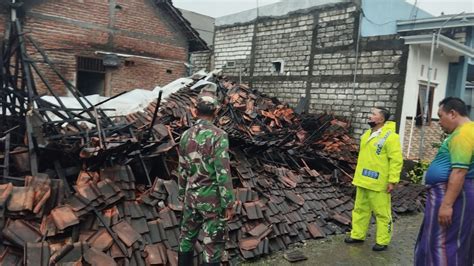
(408,197)
(285,167)
(256,122)
(282,206)
(99,224)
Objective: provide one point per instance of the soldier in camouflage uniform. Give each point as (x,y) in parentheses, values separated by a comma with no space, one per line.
(205,184)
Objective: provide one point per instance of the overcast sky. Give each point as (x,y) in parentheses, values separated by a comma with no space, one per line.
(219,8)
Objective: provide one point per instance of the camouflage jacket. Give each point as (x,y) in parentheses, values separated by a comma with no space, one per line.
(204,169)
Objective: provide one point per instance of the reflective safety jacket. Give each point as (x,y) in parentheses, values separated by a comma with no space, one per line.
(380,159)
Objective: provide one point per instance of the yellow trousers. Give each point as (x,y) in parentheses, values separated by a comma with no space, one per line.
(378,202)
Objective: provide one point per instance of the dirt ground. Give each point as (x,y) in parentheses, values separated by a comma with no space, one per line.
(333,250)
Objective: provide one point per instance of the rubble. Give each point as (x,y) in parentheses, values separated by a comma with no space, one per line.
(111,214)
(408,197)
(88,188)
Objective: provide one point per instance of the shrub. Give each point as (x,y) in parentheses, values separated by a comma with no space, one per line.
(416,174)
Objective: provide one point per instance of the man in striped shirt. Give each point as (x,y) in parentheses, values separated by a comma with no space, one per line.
(446,234)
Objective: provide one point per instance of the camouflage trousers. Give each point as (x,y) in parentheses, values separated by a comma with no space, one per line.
(214,231)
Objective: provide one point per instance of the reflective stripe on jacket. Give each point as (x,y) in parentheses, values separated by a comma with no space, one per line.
(380,159)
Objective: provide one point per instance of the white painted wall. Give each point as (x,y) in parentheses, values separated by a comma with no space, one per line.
(418,56)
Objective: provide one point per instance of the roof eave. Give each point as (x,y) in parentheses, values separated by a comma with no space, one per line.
(443,41)
(196,43)
(464,20)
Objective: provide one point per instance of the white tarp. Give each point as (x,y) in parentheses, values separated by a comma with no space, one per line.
(130,102)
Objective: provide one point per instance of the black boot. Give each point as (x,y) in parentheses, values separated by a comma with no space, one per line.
(185,258)
(350,240)
(378,247)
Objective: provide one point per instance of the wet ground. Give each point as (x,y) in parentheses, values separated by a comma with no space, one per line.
(333,250)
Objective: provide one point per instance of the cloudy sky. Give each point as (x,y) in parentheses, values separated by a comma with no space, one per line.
(218,8)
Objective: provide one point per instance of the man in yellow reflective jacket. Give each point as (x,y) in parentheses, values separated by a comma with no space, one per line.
(378,170)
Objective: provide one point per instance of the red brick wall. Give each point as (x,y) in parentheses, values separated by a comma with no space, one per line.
(132,77)
(432,135)
(67,29)
(3,17)
(62,44)
(132,17)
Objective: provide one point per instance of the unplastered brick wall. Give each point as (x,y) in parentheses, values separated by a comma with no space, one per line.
(318,50)
(201,60)
(336,27)
(3,18)
(433,136)
(62,42)
(380,78)
(66,29)
(287,40)
(287,91)
(132,73)
(340,98)
(380,69)
(379,62)
(233,45)
(144,74)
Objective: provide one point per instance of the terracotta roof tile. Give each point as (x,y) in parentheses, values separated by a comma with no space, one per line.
(126,233)
(64,217)
(20,232)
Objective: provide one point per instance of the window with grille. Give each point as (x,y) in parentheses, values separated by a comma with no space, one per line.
(90,75)
(90,64)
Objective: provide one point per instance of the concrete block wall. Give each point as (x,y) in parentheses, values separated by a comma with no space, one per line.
(318,48)
(380,78)
(341,99)
(233,44)
(287,39)
(286,91)
(378,62)
(336,27)
(201,60)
